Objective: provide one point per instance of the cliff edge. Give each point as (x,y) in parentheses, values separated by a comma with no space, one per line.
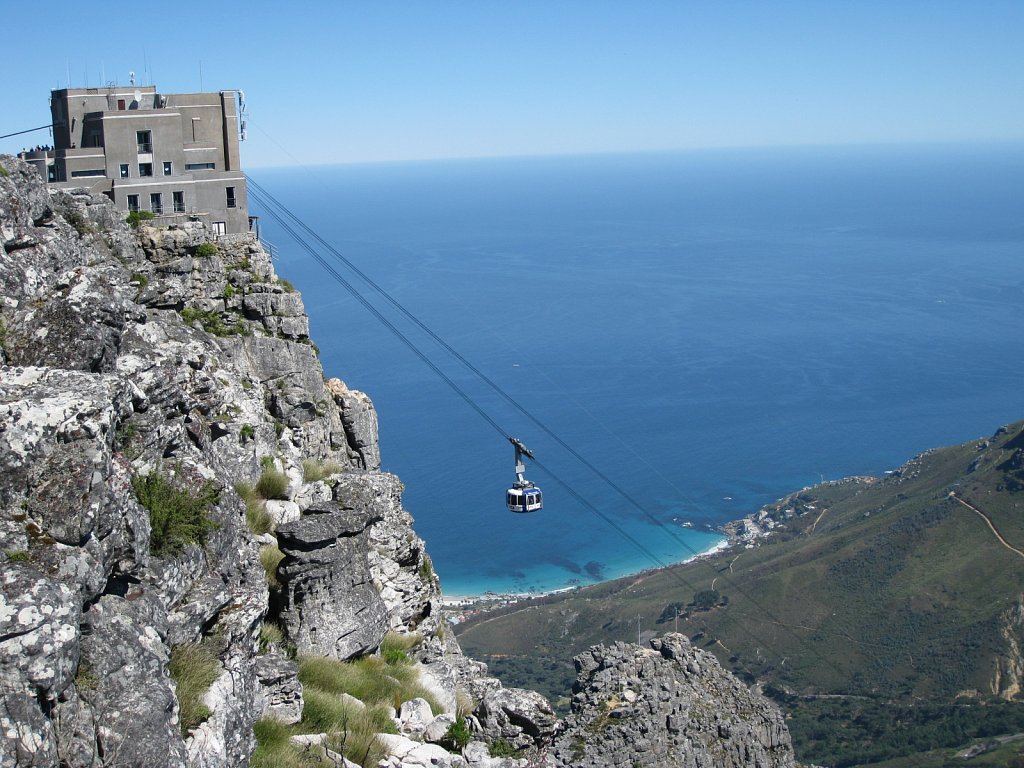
(180,481)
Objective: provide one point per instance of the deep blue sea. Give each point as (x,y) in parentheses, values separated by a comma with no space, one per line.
(711,330)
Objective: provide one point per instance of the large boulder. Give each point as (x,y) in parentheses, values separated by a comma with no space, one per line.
(522,718)
(667,705)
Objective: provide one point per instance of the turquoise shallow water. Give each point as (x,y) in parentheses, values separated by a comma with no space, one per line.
(711,330)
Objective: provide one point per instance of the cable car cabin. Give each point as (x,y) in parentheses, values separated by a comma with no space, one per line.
(528,499)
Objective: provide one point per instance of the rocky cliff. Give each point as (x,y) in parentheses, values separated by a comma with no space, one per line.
(178,478)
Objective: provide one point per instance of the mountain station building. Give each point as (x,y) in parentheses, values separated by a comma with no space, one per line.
(174,155)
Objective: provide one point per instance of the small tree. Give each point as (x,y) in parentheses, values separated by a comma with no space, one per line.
(705,600)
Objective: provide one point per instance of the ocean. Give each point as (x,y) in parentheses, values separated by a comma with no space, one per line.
(709,330)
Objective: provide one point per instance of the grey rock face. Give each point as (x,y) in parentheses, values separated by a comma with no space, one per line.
(39,648)
(331,607)
(670,705)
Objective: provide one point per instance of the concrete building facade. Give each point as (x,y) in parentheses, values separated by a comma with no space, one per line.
(174,155)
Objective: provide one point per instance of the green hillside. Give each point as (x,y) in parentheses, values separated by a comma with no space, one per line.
(868,595)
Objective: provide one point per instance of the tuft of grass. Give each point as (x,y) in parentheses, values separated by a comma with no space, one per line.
(17,556)
(4,172)
(312,471)
(352,731)
(271,557)
(394,647)
(141,279)
(273,484)
(270,636)
(286,284)
(273,748)
(193,667)
(177,516)
(257,518)
(370,679)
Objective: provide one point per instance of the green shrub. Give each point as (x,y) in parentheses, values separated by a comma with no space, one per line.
(193,667)
(4,172)
(141,279)
(502,748)
(316,470)
(273,484)
(17,555)
(137,217)
(3,331)
(247,432)
(85,678)
(206,250)
(213,322)
(457,736)
(177,517)
(80,224)
(426,570)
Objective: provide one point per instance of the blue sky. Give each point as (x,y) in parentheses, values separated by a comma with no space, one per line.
(334,82)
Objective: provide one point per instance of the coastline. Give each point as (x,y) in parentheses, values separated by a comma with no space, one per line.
(743,532)
(460,607)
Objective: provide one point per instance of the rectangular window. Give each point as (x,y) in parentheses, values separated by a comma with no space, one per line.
(88,172)
(231,197)
(220,228)
(168,168)
(145,169)
(145,141)
(179,202)
(124,170)
(200,166)
(120,105)
(133,202)
(155,204)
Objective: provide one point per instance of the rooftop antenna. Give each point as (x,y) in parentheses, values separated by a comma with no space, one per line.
(131,77)
(200,76)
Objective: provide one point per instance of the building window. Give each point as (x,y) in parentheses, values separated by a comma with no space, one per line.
(133,202)
(88,172)
(220,227)
(124,170)
(155,204)
(145,169)
(231,197)
(179,202)
(200,166)
(145,141)
(168,168)
(120,105)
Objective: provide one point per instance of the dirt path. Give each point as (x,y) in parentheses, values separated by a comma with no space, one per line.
(1004,542)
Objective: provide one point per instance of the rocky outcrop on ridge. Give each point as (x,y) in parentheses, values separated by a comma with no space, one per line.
(671,704)
(178,478)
